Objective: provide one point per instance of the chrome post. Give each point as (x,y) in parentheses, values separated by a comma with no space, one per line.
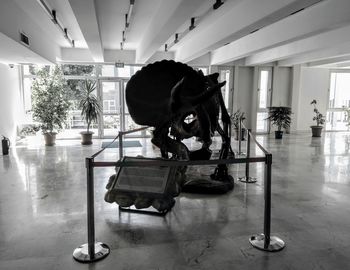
(92,251)
(247,178)
(240,153)
(265,241)
(120,145)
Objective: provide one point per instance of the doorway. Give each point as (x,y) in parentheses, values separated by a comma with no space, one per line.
(115,115)
(264,99)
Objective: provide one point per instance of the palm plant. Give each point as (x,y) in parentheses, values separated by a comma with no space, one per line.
(280,117)
(90,108)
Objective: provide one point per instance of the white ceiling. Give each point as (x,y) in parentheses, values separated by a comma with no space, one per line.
(318,35)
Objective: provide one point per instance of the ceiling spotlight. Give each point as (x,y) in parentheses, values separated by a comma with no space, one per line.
(123,36)
(166,47)
(192,26)
(176,38)
(217,4)
(54,18)
(128,15)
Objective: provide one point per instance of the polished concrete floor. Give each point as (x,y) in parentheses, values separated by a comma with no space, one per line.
(43,211)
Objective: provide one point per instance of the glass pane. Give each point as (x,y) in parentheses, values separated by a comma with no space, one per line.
(28,70)
(108,70)
(263,88)
(27,88)
(339,90)
(111,125)
(110,97)
(134,69)
(79,70)
(225,76)
(129,123)
(261,122)
(337,120)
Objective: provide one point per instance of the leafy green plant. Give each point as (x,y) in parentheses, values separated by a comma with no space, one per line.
(319,118)
(236,117)
(280,117)
(50,103)
(89,104)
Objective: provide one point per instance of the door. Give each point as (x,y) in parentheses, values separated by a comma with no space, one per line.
(129,124)
(263,100)
(111,121)
(115,115)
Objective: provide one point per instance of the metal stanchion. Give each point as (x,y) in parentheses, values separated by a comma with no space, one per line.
(120,145)
(240,153)
(265,241)
(92,251)
(247,178)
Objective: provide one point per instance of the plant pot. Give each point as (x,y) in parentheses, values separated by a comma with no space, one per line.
(50,138)
(243,131)
(278,134)
(316,131)
(86,137)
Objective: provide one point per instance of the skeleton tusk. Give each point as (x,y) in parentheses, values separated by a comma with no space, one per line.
(206,95)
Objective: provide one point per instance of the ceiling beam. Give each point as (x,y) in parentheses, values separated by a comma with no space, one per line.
(170,16)
(232,21)
(330,61)
(85,13)
(307,45)
(317,55)
(311,21)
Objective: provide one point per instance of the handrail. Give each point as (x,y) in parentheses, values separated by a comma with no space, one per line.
(120,134)
(175,163)
(257,143)
(132,130)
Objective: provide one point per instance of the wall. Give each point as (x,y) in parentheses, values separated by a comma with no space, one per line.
(282,84)
(9,101)
(314,84)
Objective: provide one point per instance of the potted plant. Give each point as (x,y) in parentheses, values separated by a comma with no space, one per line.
(236,117)
(280,117)
(50,102)
(319,118)
(90,109)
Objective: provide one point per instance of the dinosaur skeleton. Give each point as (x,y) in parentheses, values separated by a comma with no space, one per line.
(180,102)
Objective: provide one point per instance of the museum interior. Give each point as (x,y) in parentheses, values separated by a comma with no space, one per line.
(174,134)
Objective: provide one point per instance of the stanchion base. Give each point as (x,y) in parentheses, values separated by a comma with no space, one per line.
(81,253)
(258,241)
(248,180)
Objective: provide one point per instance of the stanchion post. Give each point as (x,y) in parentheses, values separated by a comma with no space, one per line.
(265,241)
(247,178)
(92,251)
(240,136)
(267,198)
(120,145)
(90,207)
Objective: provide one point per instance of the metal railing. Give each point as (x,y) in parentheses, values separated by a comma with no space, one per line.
(93,251)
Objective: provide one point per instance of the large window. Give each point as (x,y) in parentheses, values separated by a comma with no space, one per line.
(339,98)
(110,86)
